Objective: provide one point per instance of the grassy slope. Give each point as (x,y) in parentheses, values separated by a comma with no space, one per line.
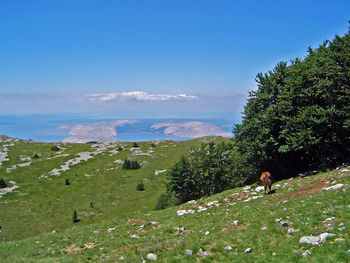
(42,205)
(300,201)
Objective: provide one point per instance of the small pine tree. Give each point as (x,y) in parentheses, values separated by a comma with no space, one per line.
(75,217)
(91,205)
(67,181)
(126,164)
(135,145)
(2,183)
(134,165)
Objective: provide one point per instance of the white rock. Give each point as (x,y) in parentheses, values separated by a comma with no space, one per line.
(324,236)
(310,240)
(110,229)
(248,250)
(236,222)
(152,257)
(333,187)
(264,228)
(306,253)
(286,224)
(259,188)
(185,212)
(228,248)
(207,233)
(135,236)
(329,219)
(292,230)
(191,202)
(121,258)
(188,252)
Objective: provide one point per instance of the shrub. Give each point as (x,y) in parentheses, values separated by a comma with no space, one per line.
(167,199)
(67,182)
(36,156)
(55,148)
(140,187)
(2,183)
(135,145)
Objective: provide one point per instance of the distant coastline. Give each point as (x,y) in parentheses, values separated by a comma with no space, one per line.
(72,128)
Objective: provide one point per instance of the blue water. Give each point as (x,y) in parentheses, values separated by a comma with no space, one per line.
(45,127)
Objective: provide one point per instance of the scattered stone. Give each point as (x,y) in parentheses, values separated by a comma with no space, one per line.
(278,220)
(191,202)
(274,254)
(109,230)
(292,230)
(310,240)
(188,252)
(324,236)
(152,257)
(185,212)
(264,228)
(341,225)
(248,250)
(207,233)
(333,187)
(286,224)
(306,253)
(135,236)
(236,222)
(228,248)
(315,240)
(329,219)
(121,259)
(259,189)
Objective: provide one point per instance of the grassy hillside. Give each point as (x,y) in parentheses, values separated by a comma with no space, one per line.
(99,188)
(215,229)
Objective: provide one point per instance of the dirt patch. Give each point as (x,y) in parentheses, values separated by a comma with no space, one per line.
(305,191)
(89,245)
(232,227)
(134,222)
(73,249)
(122,249)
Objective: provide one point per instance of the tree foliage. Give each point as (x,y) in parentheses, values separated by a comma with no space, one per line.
(205,171)
(299,117)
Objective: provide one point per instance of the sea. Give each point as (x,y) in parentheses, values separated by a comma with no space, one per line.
(47,127)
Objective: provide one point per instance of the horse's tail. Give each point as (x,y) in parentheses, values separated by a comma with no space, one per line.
(267,181)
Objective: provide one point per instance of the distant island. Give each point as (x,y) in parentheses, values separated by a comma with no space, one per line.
(107,131)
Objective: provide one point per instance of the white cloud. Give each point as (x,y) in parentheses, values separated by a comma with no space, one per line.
(139,96)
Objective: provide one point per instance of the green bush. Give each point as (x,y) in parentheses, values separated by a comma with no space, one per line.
(67,182)
(2,183)
(140,187)
(135,145)
(55,148)
(166,200)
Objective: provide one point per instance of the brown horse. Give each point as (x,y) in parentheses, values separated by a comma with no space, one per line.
(267,180)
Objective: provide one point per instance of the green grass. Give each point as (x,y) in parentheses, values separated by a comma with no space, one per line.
(109,237)
(42,205)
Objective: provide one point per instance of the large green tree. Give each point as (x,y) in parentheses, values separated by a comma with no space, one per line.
(299,117)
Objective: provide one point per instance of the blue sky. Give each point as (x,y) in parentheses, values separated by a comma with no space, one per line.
(151,58)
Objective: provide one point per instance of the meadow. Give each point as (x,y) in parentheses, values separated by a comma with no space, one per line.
(37,225)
